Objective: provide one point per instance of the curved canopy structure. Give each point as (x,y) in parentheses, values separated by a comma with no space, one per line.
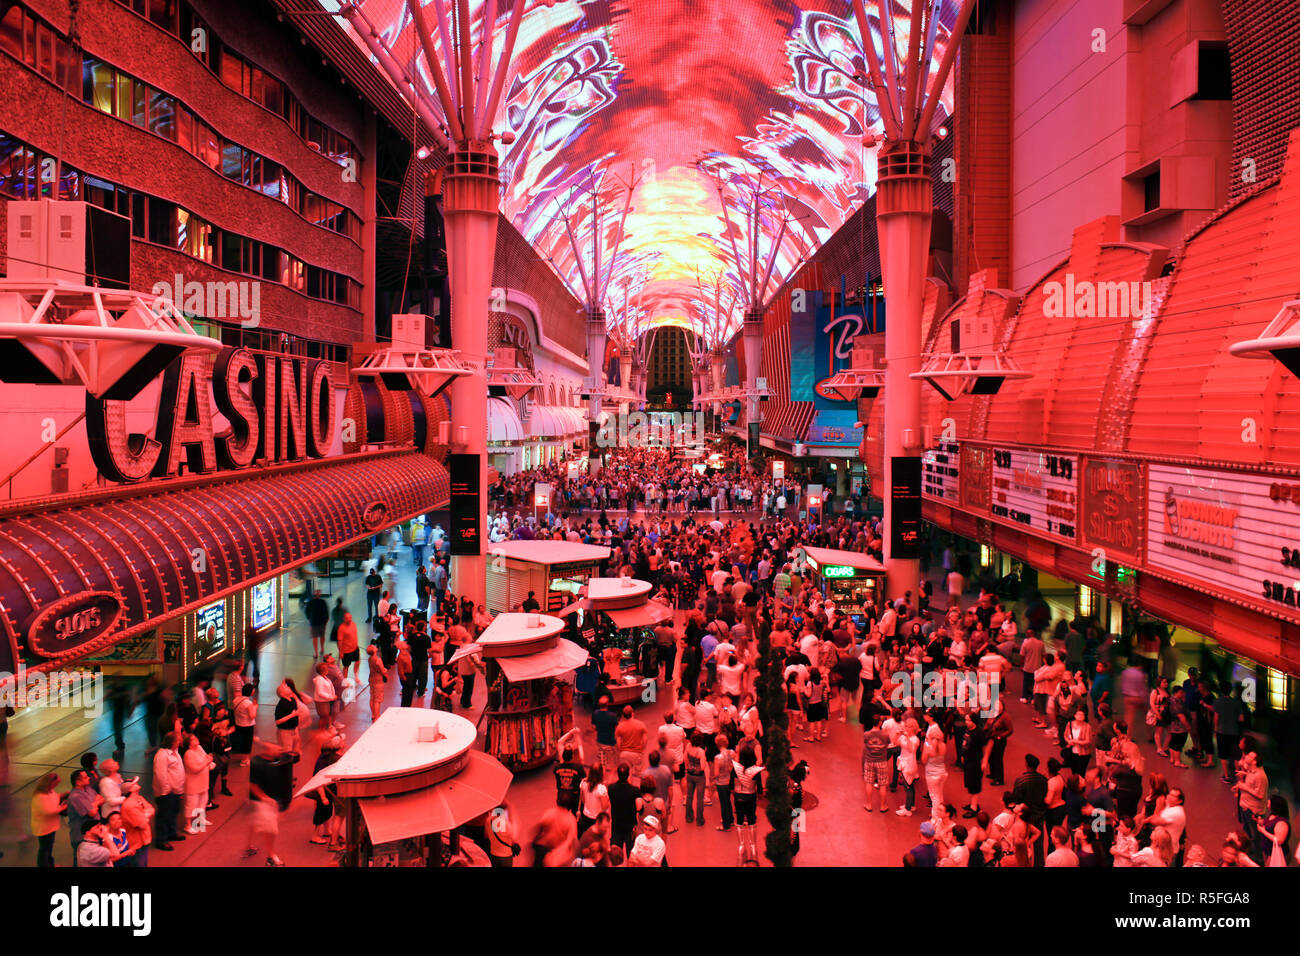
(744,92)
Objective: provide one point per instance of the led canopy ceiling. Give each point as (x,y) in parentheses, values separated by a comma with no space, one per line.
(768,99)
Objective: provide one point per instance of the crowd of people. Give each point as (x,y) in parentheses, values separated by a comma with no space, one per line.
(928,685)
(1084,801)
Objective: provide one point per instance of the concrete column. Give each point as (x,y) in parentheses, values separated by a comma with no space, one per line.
(719,371)
(753,343)
(470,203)
(369,228)
(904,203)
(596,335)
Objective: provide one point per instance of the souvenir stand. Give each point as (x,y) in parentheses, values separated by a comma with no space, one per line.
(530,696)
(848,578)
(554,571)
(625,620)
(408,780)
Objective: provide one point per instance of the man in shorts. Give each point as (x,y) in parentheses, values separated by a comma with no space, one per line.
(875,763)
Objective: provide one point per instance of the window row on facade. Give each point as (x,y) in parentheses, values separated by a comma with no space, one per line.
(247,79)
(131,100)
(26,173)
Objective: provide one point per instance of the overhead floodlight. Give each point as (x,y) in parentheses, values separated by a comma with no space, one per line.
(851,384)
(1279,341)
(958,373)
(403,368)
(863,379)
(112,342)
(514,383)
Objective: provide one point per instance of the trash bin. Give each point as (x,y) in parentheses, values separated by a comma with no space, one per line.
(275,776)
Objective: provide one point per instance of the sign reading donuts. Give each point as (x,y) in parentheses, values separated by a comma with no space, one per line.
(1227,531)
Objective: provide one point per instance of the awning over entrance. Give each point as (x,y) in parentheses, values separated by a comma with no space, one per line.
(552,662)
(173,546)
(477,789)
(644,615)
(789,421)
(503,422)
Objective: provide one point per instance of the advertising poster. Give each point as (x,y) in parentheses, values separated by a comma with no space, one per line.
(209,632)
(264,609)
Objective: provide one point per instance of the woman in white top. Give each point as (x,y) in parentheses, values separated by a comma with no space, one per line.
(909,770)
(933,758)
(593,798)
(113,788)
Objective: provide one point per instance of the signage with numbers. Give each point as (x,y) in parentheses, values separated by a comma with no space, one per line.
(941,472)
(1036,491)
(1230,532)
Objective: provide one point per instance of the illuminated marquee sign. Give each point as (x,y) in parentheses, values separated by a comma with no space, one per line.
(72,622)
(1112,499)
(280,408)
(1232,532)
(940,478)
(1036,491)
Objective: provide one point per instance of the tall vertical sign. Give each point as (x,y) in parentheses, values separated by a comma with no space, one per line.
(905,507)
(464,504)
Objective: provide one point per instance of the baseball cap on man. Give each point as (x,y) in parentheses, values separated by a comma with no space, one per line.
(653,821)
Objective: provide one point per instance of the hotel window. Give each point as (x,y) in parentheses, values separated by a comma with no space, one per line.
(232,161)
(232,71)
(206,145)
(29,41)
(162,115)
(193,235)
(98,85)
(139,98)
(162,222)
(163,13)
(11,32)
(185,129)
(44,50)
(124,97)
(293,273)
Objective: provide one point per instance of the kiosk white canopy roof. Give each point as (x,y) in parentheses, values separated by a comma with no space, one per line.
(852,559)
(548,552)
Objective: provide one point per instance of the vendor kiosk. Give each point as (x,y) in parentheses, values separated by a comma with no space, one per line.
(554,571)
(408,780)
(848,578)
(625,621)
(530,698)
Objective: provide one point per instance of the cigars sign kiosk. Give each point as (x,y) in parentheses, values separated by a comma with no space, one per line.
(848,578)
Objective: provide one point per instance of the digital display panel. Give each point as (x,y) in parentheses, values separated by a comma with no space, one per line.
(678,98)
